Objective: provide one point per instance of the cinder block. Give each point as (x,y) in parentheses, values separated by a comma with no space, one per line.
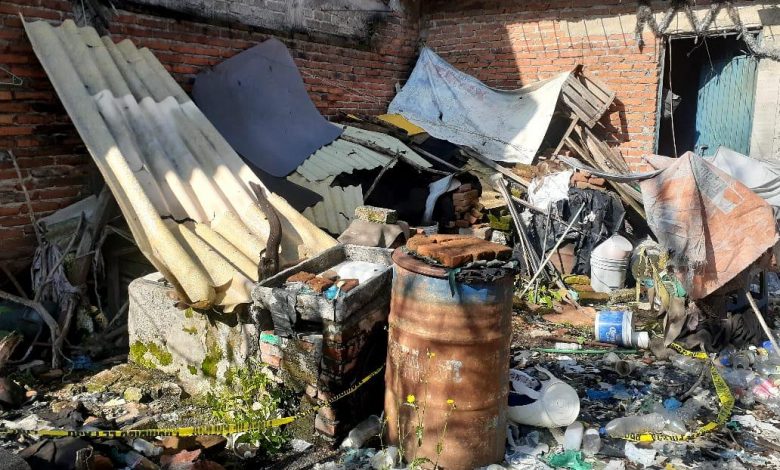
(198,348)
(378,215)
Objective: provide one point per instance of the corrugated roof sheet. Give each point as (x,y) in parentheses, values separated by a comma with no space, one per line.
(337,208)
(343,156)
(317,172)
(164,162)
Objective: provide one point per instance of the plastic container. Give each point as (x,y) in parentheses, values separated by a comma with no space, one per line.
(620,427)
(609,264)
(572,438)
(687,364)
(591,442)
(614,326)
(554,405)
(639,456)
(361,433)
(640,339)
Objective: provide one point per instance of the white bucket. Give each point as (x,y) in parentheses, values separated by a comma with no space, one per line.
(609,264)
(607,275)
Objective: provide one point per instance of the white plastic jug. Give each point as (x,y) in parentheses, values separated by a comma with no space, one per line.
(609,264)
(555,405)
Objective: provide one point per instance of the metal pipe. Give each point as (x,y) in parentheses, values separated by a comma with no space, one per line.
(763,322)
(555,248)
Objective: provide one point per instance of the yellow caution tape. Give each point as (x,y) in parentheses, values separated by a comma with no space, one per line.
(724,413)
(220,429)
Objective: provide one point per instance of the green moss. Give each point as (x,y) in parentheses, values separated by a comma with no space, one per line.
(189,313)
(213,356)
(191,330)
(139,350)
(193,370)
(229,351)
(230,375)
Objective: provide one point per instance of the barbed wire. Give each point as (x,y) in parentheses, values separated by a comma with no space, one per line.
(646,18)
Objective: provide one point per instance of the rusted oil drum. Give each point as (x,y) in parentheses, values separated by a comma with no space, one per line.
(449,349)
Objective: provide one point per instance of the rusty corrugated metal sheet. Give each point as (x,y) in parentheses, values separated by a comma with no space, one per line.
(181,187)
(446,345)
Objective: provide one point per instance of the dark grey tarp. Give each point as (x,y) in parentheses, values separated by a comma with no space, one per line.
(258,102)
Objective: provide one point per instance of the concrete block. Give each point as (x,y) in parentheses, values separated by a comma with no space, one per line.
(377,215)
(198,347)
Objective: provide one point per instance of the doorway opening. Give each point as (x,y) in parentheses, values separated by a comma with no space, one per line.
(707,94)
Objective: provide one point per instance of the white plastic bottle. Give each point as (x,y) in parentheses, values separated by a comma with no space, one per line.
(572,438)
(364,431)
(638,424)
(591,442)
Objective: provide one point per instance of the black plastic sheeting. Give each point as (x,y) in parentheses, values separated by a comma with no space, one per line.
(258,102)
(600,219)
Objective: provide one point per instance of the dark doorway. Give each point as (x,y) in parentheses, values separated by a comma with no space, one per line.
(708,88)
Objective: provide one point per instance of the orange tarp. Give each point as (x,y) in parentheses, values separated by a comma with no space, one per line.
(711,223)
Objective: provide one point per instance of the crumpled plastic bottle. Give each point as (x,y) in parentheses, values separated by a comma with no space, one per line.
(638,424)
(678,420)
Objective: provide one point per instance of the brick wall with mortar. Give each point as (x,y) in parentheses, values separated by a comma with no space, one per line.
(513,43)
(325,364)
(342,74)
(35,127)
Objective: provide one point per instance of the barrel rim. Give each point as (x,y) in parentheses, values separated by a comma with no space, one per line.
(410,263)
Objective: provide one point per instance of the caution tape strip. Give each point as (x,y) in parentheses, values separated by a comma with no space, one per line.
(220,429)
(724,413)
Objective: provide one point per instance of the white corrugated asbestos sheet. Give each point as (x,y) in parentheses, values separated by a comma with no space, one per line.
(318,171)
(183,190)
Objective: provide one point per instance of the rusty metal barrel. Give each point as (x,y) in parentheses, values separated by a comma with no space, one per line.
(447,366)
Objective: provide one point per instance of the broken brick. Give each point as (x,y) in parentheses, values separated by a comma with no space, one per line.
(301,276)
(319,284)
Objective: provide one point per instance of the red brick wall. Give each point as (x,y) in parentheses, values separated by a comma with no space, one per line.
(34,125)
(341,75)
(519,42)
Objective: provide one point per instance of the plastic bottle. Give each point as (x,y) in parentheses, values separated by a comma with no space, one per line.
(591,442)
(687,364)
(677,421)
(572,438)
(736,378)
(364,431)
(638,424)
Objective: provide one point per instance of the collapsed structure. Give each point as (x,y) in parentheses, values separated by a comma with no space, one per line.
(423,236)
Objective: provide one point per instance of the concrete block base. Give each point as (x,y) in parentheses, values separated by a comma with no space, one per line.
(201,348)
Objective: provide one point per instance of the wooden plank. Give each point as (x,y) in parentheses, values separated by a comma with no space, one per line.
(574,120)
(495,166)
(584,95)
(576,102)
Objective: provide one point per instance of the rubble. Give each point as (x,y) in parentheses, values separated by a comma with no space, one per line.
(477,279)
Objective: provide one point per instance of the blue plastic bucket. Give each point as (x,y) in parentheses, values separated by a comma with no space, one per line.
(614,326)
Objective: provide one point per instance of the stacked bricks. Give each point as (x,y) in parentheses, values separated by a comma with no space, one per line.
(584,180)
(34,126)
(468,210)
(511,44)
(322,364)
(454,251)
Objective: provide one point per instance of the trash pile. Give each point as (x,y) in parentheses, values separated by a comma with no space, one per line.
(474,280)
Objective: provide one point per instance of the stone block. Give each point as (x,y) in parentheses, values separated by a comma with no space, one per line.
(198,347)
(377,215)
